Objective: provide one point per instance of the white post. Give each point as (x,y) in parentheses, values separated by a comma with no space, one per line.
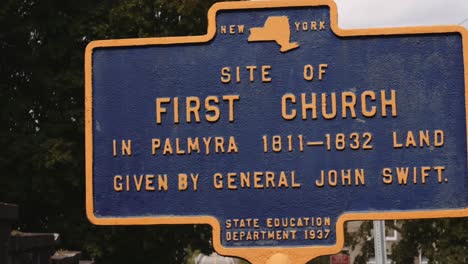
(379,242)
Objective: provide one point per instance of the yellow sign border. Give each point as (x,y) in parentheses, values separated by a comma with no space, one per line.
(256,254)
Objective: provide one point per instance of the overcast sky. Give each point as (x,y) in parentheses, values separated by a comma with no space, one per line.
(388,13)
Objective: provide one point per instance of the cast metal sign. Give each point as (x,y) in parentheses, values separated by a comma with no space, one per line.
(276,127)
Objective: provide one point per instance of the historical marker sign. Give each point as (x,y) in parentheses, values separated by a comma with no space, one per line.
(276,127)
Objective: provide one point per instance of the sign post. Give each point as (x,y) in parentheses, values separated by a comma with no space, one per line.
(380,246)
(276,127)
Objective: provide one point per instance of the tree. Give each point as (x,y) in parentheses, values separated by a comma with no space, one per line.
(360,241)
(440,240)
(42,47)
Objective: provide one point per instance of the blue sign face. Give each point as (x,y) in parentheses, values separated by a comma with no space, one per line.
(277,126)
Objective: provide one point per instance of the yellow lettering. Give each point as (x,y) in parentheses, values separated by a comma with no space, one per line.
(138,182)
(245,179)
(118,183)
(183,181)
(192,107)
(322,68)
(298,24)
(389,102)
(160,109)
(312,106)
(359,178)
(283,181)
(348,104)
(308,72)
(257,180)
(251,69)
(410,140)
(313,25)
(194,181)
(193,145)
(226,74)
(402,175)
(284,113)
(126,147)
(395,141)
(387,176)
(265,73)
(439,170)
(424,138)
(346,177)
(232,29)
(332,178)
(155,145)
(231,99)
(176,110)
(162,182)
(332,114)
(219,144)
(218,180)
(149,182)
(212,108)
(322,25)
(232,145)
(179,151)
(207,144)
(293,180)
(424,173)
(223,30)
(167,147)
(438,138)
(270,179)
(232,180)
(364,110)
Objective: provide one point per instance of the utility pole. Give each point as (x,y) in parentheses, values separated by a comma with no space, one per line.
(379,242)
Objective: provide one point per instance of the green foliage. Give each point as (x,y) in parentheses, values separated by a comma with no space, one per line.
(42,45)
(360,241)
(440,240)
